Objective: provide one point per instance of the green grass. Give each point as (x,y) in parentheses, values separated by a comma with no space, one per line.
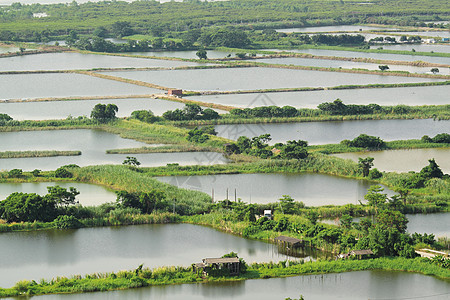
(142,277)
(37,153)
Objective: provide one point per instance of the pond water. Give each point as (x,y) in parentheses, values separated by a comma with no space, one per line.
(6,49)
(418,47)
(429,223)
(436,224)
(360,285)
(309,188)
(90,194)
(425,95)
(298,61)
(403,160)
(65,85)
(336,131)
(331,28)
(50,110)
(74,61)
(381,56)
(441,34)
(211,54)
(255,78)
(93,145)
(50,253)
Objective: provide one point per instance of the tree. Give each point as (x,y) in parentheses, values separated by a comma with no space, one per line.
(312,216)
(104,113)
(22,207)
(294,150)
(121,29)
(15,173)
(5,118)
(131,161)
(434,70)
(202,54)
(36,172)
(367,141)
(392,219)
(63,173)
(197,136)
(62,196)
(287,204)
(100,32)
(383,67)
(365,164)
(144,116)
(431,171)
(374,196)
(346,221)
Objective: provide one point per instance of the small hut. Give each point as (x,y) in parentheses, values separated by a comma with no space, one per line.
(230,263)
(289,242)
(175,92)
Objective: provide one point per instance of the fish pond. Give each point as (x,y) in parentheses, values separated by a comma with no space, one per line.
(231,79)
(93,145)
(423,95)
(403,160)
(49,253)
(309,188)
(332,132)
(380,56)
(361,285)
(65,85)
(73,61)
(298,61)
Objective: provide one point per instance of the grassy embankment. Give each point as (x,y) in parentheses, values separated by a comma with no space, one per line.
(37,153)
(286,48)
(142,277)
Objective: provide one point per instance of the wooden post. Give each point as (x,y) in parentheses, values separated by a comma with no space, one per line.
(227,193)
(235,195)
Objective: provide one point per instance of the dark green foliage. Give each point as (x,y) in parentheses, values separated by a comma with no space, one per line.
(197,136)
(146,202)
(365,164)
(294,150)
(191,112)
(15,173)
(375,174)
(144,116)
(439,138)
(104,113)
(337,107)
(63,173)
(346,221)
(339,39)
(366,141)
(121,29)
(4,118)
(66,222)
(202,54)
(209,130)
(266,112)
(392,219)
(61,196)
(36,172)
(286,204)
(383,67)
(427,239)
(224,37)
(22,207)
(431,171)
(312,216)
(131,161)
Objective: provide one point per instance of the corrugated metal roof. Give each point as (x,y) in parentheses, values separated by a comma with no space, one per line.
(222,260)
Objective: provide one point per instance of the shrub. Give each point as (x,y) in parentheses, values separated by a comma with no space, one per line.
(63,173)
(65,222)
(375,174)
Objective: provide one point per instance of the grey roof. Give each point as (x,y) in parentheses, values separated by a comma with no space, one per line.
(222,260)
(361,252)
(287,239)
